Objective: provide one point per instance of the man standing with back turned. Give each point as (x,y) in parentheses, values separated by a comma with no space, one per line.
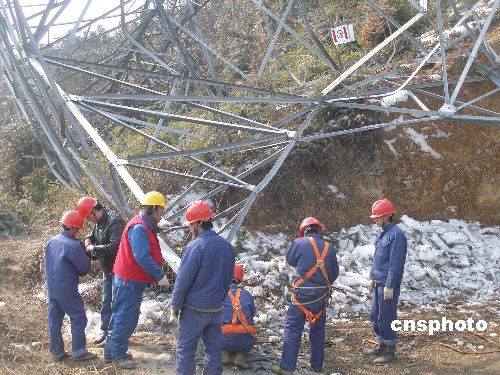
(385,280)
(200,288)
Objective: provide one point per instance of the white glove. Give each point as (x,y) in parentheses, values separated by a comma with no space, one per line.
(388,293)
(174,316)
(371,285)
(163,224)
(163,281)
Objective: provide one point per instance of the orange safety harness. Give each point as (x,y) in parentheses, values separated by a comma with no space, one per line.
(234,327)
(320,263)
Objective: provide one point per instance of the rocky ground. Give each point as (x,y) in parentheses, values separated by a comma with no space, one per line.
(24,344)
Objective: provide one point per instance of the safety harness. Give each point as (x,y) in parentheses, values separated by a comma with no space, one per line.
(234,327)
(320,263)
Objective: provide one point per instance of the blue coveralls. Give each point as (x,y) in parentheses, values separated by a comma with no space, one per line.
(387,270)
(200,288)
(65,261)
(238,342)
(301,255)
(127,294)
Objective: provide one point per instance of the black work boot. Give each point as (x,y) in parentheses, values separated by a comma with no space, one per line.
(380,349)
(387,357)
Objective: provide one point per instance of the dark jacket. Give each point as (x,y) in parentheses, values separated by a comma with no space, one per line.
(106,236)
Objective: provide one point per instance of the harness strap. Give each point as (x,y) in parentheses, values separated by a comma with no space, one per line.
(320,263)
(234,327)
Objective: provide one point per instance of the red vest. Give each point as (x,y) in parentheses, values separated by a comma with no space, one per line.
(126,266)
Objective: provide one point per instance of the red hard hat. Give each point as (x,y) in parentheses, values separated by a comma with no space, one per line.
(238,272)
(382,207)
(198,211)
(85,205)
(307,222)
(72,219)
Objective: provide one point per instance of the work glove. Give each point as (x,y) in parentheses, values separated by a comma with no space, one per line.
(163,281)
(388,293)
(174,316)
(371,285)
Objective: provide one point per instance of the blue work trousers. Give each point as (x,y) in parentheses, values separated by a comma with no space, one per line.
(193,325)
(73,307)
(127,298)
(238,342)
(382,314)
(295,320)
(107,299)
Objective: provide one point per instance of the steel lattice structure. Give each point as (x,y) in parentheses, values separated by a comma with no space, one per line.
(183,100)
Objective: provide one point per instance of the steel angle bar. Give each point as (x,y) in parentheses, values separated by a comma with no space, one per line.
(73,31)
(370,54)
(229,210)
(413,112)
(45,14)
(206,150)
(221,189)
(231,115)
(232,220)
(153,139)
(443,52)
(473,54)
(485,48)
(41,31)
(165,76)
(282,122)
(484,120)
(131,39)
(172,116)
(125,208)
(396,24)
(274,169)
(179,174)
(485,95)
(36,132)
(340,133)
(297,36)
(202,43)
(195,98)
(377,78)
(151,125)
(276,35)
(199,34)
(100,143)
(480,109)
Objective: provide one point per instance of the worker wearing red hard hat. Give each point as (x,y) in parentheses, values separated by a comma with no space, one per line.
(238,331)
(65,262)
(102,245)
(317,268)
(385,279)
(201,285)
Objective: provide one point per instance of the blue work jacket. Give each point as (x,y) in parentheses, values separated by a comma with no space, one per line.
(65,261)
(300,254)
(247,306)
(390,256)
(205,273)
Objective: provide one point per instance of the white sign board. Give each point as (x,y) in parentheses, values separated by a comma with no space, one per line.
(343,34)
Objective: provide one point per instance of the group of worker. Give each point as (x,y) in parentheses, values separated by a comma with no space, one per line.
(208,300)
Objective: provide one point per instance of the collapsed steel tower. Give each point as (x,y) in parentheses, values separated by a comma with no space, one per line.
(167,77)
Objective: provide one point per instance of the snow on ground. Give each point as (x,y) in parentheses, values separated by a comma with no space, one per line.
(445,259)
(421,140)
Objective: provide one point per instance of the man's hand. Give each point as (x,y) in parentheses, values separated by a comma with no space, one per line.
(388,293)
(174,316)
(371,285)
(164,281)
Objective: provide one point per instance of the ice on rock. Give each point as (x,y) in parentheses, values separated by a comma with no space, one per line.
(459,249)
(454,238)
(365,251)
(460,261)
(414,272)
(427,255)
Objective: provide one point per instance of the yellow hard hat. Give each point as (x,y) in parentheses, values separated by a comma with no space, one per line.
(153,198)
